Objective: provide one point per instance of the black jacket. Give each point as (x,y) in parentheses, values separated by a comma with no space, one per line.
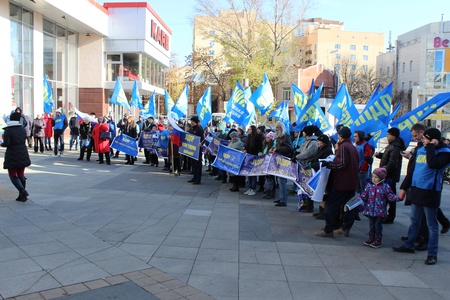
(323,152)
(391,159)
(16,154)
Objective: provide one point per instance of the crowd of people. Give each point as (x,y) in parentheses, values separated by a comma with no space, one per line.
(352,174)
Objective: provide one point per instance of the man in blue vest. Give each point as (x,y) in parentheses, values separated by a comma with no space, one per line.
(425,178)
(59,125)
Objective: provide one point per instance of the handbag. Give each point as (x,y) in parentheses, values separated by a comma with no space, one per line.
(85,143)
(105,135)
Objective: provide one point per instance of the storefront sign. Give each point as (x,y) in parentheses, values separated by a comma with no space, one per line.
(440,43)
(159,35)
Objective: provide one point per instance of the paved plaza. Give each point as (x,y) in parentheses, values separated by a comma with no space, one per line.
(92,231)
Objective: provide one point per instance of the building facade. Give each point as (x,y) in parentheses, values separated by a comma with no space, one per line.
(82,48)
(420,66)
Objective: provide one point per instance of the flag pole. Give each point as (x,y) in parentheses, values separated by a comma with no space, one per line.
(171,154)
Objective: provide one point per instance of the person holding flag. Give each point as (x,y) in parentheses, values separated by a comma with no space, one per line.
(59,126)
(197,164)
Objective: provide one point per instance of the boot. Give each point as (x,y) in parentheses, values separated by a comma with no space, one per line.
(376,242)
(370,240)
(270,195)
(19,186)
(235,188)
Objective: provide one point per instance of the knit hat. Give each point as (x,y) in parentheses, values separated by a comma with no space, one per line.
(380,173)
(58,111)
(323,138)
(309,130)
(394,132)
(15,116)
(432,133)
(262,128)
(345,132)
(271,135)
(234,134)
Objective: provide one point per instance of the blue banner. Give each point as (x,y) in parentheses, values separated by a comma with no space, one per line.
(239,111)
(190,145)
(213,147)
(255,165)
(125,144)
(229,160)
(147,141)
(304,176)
(282,166)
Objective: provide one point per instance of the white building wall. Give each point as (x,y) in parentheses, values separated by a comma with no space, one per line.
(38,56)
(5,56)
(91,66)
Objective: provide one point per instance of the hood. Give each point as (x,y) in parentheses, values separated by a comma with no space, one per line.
(12,123)
(398,142)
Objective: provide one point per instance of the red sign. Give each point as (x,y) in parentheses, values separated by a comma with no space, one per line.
(159,35)
(438,42)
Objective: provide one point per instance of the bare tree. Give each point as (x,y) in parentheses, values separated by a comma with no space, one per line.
(256,35)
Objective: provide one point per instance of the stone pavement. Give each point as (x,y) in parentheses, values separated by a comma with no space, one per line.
(93,231)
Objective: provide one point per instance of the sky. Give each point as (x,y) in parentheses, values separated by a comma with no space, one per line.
(358,15)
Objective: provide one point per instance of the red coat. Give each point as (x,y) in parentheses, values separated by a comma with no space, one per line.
(48,131)
(100,145)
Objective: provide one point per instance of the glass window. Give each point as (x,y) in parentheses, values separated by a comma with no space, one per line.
(15,12)
(366,57)
(211,43)
(48,27)
(365,67)
(337,67)
(352,47)
(403,86)
(353,57)
(337,46)
(403,67)
(16,46)
(27,51)
(211,52)
(212,32)
(337,56)
(366,48)
(352,76)
(27,17)
(388,71)
(286,93)
(438,61)
(353,67)
(60,32)
(410,65)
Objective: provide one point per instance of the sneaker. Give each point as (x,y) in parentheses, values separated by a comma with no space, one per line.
(341,232)
(403,249)
(322,233)
(251,193)
(246,193)
(375,245)
(431,260)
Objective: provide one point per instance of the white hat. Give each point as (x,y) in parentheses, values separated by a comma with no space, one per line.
(58,111)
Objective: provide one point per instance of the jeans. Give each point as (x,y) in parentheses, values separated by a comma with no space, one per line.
(376,225)
(58,135)
(283,190)
(48,142)
(73,141)
(433,227)
(252,182)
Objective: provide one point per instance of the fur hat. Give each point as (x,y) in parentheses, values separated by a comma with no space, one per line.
(271,135)
(380,173)
(323,138)
(394,132)
(345,132)
(432,133)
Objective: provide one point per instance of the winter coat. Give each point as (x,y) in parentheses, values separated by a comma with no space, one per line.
(38,127)
(375,197)
(255,147)
(16,154)
(100,145)
(391,159)
(48,126)
(74,126)
(307,150)
(283,145)
(345,167)
(322,153)
(27,127)
(434,160)
(86,131)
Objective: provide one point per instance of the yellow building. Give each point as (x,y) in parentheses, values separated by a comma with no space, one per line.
(326,42)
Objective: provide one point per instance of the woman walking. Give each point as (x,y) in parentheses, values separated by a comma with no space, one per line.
(16,154)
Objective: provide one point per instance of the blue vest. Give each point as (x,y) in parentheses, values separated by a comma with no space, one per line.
(425,177)
(59,122)
(360,149)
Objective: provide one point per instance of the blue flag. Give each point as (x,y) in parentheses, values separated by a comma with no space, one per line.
(180,108)
(227,118)
(168,101)
(343,108)
(262,97)
(239,110)
(48,96)
(374,94)
(380,133)
(136,99)
(250,108)
(203,110)
(149,108)
(300,100)
(118,97)
(281,113)
(376,116)
(405,122)
(312,114)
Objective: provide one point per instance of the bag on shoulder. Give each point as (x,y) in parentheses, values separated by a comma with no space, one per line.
(106,135)
(85,143)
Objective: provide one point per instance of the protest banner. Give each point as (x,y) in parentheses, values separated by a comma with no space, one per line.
(282,166)
(190,145)
(213,146)
(125,144)
(229,160)
(304,176)
(254,165)
(147,140)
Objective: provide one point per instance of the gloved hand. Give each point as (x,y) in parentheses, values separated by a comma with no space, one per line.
(293,159)
(326,164)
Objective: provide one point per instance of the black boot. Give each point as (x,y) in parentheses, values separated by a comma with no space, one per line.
(19,186)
